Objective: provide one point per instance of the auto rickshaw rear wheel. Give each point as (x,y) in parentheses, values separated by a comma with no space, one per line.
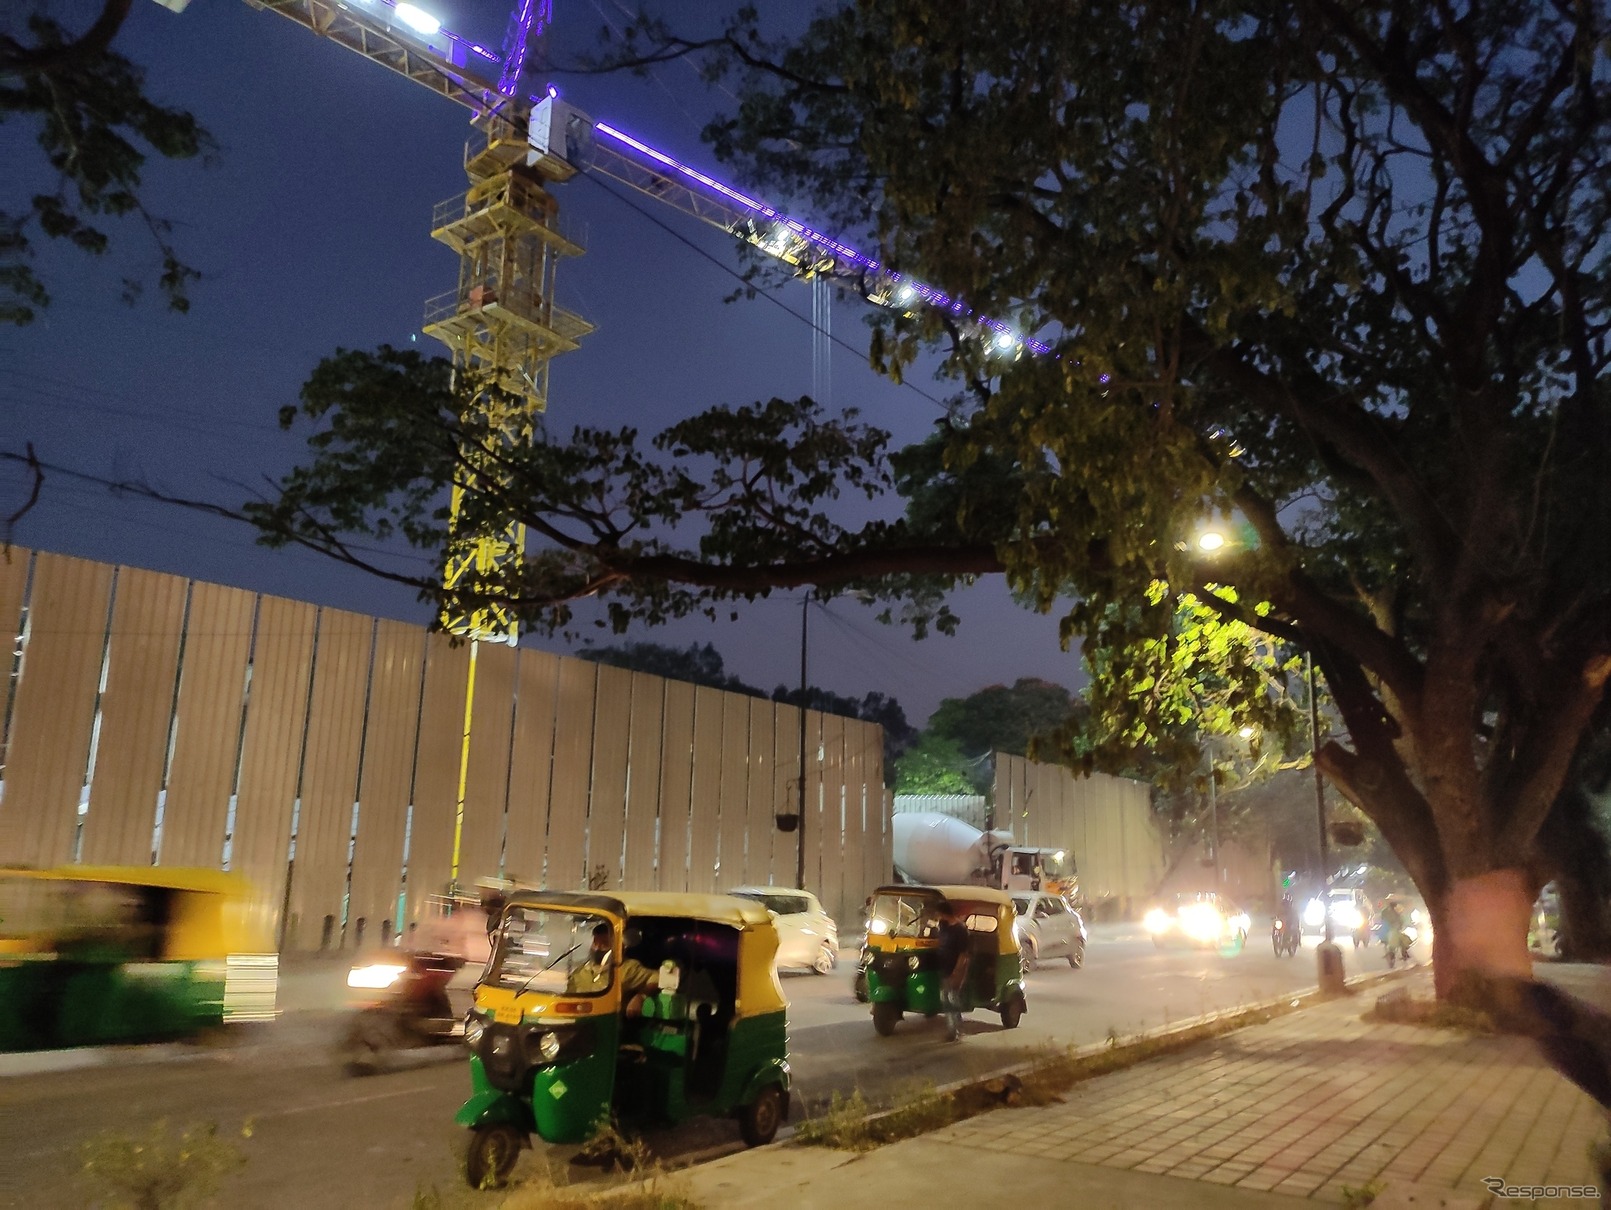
(1011,1011)
(885,1015)
(758,1121)
(492,1155)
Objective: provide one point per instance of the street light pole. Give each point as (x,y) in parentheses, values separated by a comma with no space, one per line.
(800,832)
(1213,815)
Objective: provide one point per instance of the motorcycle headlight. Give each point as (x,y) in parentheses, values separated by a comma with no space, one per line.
(548,1046)
(474,1027)
(376,977)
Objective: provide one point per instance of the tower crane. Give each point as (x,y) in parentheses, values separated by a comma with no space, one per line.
(501,322)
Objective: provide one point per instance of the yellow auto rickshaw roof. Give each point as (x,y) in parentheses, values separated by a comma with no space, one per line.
(961,894)
(176,878)
(722,909)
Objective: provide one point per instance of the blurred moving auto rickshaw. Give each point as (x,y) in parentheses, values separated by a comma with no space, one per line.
(94,955)
(902,973)
(652,1006)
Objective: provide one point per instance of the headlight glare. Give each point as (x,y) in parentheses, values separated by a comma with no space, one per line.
(548,1046)
(375,977)
(474,1027)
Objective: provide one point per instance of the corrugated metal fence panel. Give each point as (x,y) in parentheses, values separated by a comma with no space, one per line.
(486,788)
(853,836)
(207,732)
(383,782)
(329,778)
(828,846)
(705,796)
(148,614)
(735,791)
(573,768)
(436,770)
(54,710)
(812,823)
(271,754)
(676,785)
(531,766)
(606,810)
(785,789)
(643,790)
(760,805)
(14,564)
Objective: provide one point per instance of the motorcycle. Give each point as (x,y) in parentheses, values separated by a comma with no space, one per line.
(411,1009)
(1284,940)
(1398,942)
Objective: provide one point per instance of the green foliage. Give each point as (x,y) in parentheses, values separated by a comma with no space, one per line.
(155,1169)
(935,764)
(1004,718)
(96,128)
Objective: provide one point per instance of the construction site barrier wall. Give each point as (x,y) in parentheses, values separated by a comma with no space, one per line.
(153,719)
(1107,822)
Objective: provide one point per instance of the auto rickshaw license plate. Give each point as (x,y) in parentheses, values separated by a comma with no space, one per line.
(507,1014)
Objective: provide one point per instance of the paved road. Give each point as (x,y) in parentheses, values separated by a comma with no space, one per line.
(321,1139)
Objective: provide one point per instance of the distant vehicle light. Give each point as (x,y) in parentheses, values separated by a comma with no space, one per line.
(375,977)
(1156,921)
(1314,913)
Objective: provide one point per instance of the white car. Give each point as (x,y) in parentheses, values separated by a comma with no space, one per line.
(808,939)
(1047,928)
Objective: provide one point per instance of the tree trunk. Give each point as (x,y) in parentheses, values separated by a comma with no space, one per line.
(1480,929)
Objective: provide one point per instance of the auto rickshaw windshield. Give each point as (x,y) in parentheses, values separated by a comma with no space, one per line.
(553,952)
(900,915)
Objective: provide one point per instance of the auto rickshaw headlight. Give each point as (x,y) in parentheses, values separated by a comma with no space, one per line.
(911,963)
(474,1027)
(548,1046)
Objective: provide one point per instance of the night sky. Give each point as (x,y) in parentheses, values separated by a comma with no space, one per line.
(312,232)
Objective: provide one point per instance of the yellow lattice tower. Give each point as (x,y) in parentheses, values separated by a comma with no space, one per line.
(503,327)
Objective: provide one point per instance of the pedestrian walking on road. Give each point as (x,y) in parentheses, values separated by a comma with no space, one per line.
(952,953)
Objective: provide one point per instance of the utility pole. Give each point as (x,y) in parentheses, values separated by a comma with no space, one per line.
(1213,816)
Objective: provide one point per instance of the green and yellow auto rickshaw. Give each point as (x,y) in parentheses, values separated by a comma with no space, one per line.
(648,1007)
(902,971)
(92,955)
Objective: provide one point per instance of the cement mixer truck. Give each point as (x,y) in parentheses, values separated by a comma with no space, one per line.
(934,849)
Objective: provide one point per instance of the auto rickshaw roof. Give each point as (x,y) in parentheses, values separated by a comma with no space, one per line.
(723,909)
(963,894)
(173,878)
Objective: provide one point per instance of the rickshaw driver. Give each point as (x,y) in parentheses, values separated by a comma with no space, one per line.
(593,975)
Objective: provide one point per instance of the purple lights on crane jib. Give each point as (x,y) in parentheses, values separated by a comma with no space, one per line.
(908,288)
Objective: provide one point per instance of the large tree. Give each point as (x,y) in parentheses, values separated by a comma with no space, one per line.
(1332,274)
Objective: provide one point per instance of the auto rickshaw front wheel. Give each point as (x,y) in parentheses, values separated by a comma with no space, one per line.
(886,1013)
(758,1121)
(492,1155)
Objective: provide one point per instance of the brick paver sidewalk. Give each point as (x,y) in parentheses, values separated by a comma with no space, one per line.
(1318,1100)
